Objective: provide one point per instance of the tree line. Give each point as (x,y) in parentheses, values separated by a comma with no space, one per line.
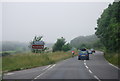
(14,46)
(108,27)
(60,45)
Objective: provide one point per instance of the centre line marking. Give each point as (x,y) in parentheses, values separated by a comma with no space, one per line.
(90,71)
(97,78)
(84,60)
(85,64)
(86,67)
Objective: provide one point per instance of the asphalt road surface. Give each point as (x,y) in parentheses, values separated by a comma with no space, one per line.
(96,68)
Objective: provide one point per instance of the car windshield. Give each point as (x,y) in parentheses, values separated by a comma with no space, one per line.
(83,51)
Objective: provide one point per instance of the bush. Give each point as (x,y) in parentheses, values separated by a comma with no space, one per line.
(66,47)
(59,44)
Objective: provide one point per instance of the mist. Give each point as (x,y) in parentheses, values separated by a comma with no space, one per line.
(21,21)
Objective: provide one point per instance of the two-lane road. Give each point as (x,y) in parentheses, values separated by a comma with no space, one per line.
(96,68)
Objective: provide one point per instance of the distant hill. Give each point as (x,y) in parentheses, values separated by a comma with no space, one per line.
(84,40)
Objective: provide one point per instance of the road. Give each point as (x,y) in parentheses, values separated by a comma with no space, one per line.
(97,68)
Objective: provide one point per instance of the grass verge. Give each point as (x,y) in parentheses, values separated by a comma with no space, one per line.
(30,60)
(113,58)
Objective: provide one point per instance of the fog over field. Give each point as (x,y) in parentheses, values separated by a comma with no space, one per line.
(22,21)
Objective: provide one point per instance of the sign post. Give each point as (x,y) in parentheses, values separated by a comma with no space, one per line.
(38,46)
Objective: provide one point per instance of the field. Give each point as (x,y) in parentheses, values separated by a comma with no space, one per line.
(30,60)
(5,53)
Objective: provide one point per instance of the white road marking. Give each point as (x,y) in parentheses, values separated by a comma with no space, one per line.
(97,78)
(51,67)
(48,68)
(39,75)
(84,60)
(26,70)
(90,71)
(86,67)
(85,64)
(9,74)
(114,66)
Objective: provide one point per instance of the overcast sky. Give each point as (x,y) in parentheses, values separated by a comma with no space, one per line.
(22,21)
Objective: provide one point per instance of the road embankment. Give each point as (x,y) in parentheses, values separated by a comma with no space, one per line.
(113,58)
(30,60)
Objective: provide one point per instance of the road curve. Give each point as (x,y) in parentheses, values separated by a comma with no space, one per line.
(97,68)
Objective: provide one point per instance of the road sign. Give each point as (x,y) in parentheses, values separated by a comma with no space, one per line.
(38,43)
(37,46)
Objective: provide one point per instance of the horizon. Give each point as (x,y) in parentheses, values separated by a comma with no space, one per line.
(45,41)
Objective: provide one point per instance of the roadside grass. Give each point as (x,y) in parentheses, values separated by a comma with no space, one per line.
(0,68)
(113,58)
(57,56)
(31,60)
(0,65)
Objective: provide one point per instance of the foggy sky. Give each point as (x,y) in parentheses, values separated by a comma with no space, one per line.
(22,21)
(0,21)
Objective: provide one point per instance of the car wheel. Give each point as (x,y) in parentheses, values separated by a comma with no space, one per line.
(79,59)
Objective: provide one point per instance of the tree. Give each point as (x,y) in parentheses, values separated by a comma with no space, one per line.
(58,45)
(108,27)
(61,46)
(98,45)
(66,47)
(37,38)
